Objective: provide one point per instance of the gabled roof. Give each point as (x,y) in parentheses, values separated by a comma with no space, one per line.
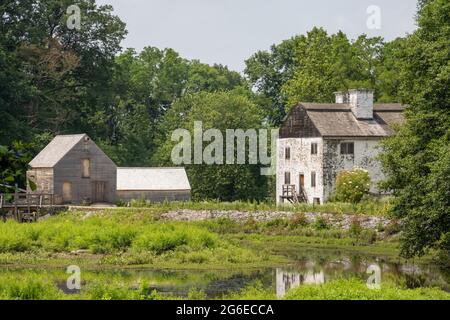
(337,120)
(56,150)
(152,179)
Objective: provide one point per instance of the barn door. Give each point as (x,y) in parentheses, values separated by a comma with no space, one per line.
(98,190)
(67,192)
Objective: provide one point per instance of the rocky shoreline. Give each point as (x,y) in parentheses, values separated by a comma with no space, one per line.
(343,221)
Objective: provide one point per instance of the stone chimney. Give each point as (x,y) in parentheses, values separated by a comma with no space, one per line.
(361,103)
(341,97)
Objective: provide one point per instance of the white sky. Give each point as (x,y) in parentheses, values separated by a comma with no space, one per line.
(230,31)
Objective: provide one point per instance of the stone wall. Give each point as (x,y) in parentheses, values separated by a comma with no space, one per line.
(342,221)
(301,162)
(365,153)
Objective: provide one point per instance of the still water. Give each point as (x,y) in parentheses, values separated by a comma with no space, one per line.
(310,267)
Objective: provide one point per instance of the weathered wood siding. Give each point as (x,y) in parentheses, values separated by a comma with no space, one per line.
(155,196)
(298,125)
(43,178)
(70,169)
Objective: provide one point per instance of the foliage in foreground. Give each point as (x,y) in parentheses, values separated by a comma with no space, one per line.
(417,158)
(123,242)
(35,285)
(355,289)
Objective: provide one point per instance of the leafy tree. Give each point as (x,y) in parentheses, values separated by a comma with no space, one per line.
(62,74)
(312,67)
(222,111)
(417,159)
(13,166)
(145,86)
(268,72)
(326,64)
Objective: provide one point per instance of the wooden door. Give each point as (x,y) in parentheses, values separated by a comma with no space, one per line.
(67,192)
(302,181)
(98,190)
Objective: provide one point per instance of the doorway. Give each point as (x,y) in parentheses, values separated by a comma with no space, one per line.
(302,181)
(67,192)
(98,191)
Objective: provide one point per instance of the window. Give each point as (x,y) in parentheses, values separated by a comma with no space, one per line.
(316,201)
(287,153)
(313,179)
(313,148)
(348,148)
(287,178)
(86,165)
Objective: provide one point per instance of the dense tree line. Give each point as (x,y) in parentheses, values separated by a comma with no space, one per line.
(57,80)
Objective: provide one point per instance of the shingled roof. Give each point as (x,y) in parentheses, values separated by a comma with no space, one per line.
(56,150)
(337,120)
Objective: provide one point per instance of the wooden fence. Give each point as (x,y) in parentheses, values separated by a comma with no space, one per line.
(24,206)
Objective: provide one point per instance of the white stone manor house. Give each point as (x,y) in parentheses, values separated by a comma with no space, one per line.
(317,141)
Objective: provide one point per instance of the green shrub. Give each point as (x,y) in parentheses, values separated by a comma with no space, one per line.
(355,228)
(392,228)
(298,221)
(352,186)
(368,236)
(321,223)
(276,224)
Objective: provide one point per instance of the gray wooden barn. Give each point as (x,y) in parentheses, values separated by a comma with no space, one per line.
(75,170)
(153,184)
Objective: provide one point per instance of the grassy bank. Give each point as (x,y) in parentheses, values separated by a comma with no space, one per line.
(136,237)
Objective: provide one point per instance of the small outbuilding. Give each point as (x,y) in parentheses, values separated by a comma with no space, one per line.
(153,184)
(75,170)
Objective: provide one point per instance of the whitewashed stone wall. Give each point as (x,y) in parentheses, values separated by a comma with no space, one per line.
(301,162)
(327,164)
(366,151)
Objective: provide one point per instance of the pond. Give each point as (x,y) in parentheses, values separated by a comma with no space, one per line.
(308,267)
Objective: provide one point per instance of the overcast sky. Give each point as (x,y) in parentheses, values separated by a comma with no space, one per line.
(230,31)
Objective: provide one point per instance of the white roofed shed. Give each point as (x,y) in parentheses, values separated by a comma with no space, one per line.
(153,184)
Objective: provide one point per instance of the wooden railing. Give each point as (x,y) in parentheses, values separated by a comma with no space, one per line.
(21,200)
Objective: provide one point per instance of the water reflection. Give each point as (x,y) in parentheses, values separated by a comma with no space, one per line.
(311,267)
(286,280)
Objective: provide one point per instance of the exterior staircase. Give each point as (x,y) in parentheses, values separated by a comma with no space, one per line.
(291,195)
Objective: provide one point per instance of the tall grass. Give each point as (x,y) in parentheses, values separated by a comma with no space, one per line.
(101,235)
(123,242)
(355,289)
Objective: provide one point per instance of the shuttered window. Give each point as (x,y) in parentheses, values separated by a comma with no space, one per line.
(348,148)
(86,168)
(313,148)
(287,178)
(287,153)
(313,179)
